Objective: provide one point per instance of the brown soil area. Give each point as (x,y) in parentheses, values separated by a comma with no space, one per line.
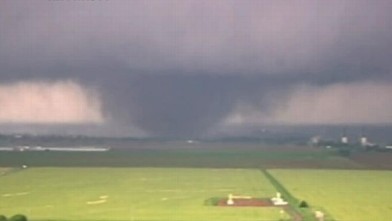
(374,160)
(261,202)
(329,163)
(255,202)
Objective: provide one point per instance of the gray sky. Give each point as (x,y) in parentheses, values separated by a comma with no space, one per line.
(186,68)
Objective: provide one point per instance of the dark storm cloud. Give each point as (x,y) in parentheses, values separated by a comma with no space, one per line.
(180,104)
(180,67)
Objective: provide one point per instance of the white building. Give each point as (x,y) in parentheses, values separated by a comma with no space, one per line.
(344,140)
(364,141)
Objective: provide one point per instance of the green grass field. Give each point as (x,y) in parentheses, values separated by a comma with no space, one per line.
(132,194)
(346,195)
(178,184)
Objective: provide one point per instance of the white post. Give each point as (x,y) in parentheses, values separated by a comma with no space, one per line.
(230,200)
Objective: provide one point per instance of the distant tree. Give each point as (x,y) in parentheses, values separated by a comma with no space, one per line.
(18,217)
(3,218)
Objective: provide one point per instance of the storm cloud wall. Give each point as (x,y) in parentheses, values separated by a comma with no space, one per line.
(188,68)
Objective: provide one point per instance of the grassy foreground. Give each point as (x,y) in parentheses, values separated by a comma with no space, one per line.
(345,195)
(132,194)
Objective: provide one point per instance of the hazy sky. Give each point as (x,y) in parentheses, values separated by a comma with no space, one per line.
(185,68)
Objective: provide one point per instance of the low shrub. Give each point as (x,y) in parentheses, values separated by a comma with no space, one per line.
(18,217)
(212,201)
(303,204)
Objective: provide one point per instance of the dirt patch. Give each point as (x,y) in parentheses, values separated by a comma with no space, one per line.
(260,202)
(374,160)
(253,202)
